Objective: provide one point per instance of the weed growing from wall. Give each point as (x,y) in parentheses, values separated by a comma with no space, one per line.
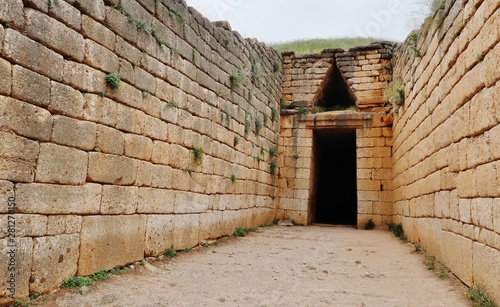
(395,93)
(274,115)
(198,155)
(236,79)
(113,80)
(273,166)
(479,296)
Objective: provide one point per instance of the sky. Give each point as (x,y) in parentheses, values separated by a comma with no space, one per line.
(273,21)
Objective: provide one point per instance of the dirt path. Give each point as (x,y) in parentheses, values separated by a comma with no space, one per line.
(280,266)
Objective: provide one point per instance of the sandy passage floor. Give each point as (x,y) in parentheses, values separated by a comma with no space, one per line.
(280,266)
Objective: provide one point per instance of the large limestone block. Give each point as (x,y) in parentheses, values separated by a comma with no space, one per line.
(119,200)
(111,169)
(187,202)
(159,201)
(109,140)
(11,12)
(137,146)
(32,55)
(65,100)
(20,155)
(55,35)
(25,119)
(74,133)
(186,230)
(30,87)
(64,224)
(487,269)
(58,199)
(27,225)
(159,234)
(61,164)
(457,254)
(55,260)
(6,192)
(21,265)
(110,241)
(210,225)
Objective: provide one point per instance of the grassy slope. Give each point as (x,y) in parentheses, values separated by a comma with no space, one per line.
(318,45)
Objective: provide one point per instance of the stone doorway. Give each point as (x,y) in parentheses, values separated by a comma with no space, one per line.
(335,192)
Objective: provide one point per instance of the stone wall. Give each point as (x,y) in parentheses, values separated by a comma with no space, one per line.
(447,140)
(100,177)
(363,74)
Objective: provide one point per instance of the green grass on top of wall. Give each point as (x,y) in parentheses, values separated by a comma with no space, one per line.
(319,44)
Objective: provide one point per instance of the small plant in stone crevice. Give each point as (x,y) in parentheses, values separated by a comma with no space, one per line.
(276,67)
(369,225)
(479,296)
(274,114)
(198,155)
(172,104)
(233,178)
(272,152)
(302,111)
(170,253)
(273,166)
(113,80)
(236,141)
(394,93)
(258,124)
(241,232)
(236,79)
(398,231)
(432,264)
(177,16)
(248,124)
(480,57)
(187,171)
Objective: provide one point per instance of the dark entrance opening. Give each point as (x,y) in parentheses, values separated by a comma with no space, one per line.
(335,200)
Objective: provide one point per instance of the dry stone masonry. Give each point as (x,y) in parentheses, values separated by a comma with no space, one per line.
(131,126)
(103,176)
(446,140)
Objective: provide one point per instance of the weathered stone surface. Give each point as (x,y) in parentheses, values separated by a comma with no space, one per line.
(83,77)
(161,153)
(119,200)
(159,234)
(18,156)
(123,243)
(137,146)
(111,169)
(11,13)
(109,140)
(100,57)
(25,119)
(97,32)
(54,34)
(187,202)
(157,201)
(56,261)
(210,225)
(74,133)
(64,224)
(6,192)
(186,231)
(161,176)
(65,100)
(58,199)
(487,265)
(61,164)
(23,264)
(95,9)
(5,76)
(144,174)
(32,55)
(66,13)
(27,225)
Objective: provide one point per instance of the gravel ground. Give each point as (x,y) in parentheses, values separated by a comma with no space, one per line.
(279,266)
